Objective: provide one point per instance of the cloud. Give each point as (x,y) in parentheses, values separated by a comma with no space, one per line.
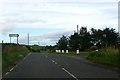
(28,20)
(56,14)
(45,39)
(7,26)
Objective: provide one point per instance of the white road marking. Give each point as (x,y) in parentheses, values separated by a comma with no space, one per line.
(27,56)
(56,63)
(69,73)
(53,61)
(11,69)
(7,73)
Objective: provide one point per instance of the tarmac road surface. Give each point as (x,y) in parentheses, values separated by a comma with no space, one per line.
(67,66)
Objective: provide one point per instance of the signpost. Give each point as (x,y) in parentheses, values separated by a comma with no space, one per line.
(14,35)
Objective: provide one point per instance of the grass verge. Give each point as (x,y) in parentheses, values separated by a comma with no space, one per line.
(11,55)
(106,57)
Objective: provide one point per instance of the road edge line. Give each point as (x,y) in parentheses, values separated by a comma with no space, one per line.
(16,65)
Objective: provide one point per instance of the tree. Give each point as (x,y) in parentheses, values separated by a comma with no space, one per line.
(93,30)
(106,36)
(63,43)
(111,36)
(85,38)
(80,41)
(96,37)
(74,42)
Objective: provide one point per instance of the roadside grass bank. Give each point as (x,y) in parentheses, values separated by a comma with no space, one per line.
(11,55)
(109,56)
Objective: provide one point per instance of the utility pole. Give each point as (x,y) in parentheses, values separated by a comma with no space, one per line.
(17,41)
(2,41)
(119,17)
(77,28)
(10,40)
(28,39)
(38,43)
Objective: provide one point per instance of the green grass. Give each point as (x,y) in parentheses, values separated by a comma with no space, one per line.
(108,57)
(37,48)
(11,55)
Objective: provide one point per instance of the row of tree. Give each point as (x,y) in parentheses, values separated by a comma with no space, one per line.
(84,39)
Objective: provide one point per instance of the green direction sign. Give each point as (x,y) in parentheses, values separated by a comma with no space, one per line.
(13,35)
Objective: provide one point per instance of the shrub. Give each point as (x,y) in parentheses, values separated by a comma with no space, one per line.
(93,48)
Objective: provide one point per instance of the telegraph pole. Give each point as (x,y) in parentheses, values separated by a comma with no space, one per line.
(2,41)
(77,28)
(28,39)
(10,40)
(17,40)
(38,43)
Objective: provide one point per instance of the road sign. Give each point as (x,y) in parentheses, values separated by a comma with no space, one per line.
(13,35)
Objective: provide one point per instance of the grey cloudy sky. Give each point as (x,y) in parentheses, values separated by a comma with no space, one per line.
(47,20)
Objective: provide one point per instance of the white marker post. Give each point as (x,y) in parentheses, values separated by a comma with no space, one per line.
(66,51)
(77,51)
(56,50)
(62,51)
(59,51)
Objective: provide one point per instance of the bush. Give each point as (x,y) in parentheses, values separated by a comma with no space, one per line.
(93,48)
(105,57)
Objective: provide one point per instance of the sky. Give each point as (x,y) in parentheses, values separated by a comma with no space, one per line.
(47,20)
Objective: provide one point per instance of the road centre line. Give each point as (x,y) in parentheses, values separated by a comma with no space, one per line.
(12,69)
(70,73)
(56,63)
(53,61)
(66,71)
(7,73)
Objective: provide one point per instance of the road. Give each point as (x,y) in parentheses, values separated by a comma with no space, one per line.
(43,65)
